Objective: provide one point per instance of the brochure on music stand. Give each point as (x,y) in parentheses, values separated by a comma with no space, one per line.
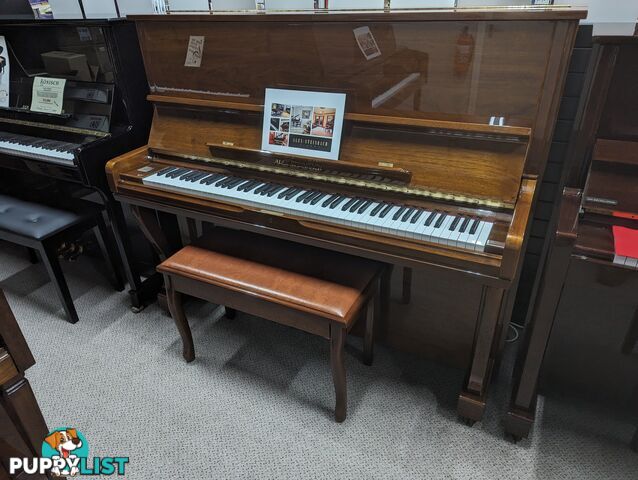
(4,73)
(303,123)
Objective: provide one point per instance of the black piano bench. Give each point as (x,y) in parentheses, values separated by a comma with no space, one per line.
(313,290)
(44,229)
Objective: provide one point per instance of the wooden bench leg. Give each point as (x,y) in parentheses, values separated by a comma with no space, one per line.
(337,364)
(174,299)
(50,259)
(368,337)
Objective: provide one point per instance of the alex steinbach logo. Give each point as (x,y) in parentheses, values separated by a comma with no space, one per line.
(65,452)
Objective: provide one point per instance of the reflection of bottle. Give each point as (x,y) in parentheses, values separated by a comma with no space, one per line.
(464,52)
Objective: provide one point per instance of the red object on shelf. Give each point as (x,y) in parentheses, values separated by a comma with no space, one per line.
(625,241)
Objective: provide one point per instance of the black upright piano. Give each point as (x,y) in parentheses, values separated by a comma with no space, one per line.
(104,114)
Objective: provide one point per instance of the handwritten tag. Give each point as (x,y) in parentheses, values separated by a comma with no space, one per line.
(47,95)
(194,52)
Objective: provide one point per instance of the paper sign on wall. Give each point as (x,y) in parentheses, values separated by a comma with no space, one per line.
(48,95)
(4,73)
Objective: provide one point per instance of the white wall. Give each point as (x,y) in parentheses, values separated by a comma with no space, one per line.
(609,16)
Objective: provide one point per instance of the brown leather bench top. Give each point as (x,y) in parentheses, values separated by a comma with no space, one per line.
(288,273)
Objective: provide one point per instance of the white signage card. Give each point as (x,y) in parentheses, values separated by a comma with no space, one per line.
(367,43)
(48,95)
(303,123)
(194,51)
(4,73)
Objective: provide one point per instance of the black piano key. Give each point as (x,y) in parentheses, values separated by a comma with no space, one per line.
(244,184)
(348,204)
(377,209)
(177,173)
(317,198)
(310,197)
(454,223)
(235,183)
(199,176)
(407,214)
(356,205)
(186,174)
(416,216)
(385,211)
(206,179)
(398,213)
(164,171)
(440,221)
(262,188)
(466,222)
(285,192)
(252,187)
(430,218)
(364,207)
(222,180)
(275,190)
(305,195)
(213,178)
(337,201)
(329,200)
(474,226)
(292,193)
(267,190)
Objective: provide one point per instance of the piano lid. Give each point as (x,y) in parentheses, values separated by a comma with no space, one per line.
(458,98)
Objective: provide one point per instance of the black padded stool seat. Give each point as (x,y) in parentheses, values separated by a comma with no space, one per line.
(42,228)
(33,220)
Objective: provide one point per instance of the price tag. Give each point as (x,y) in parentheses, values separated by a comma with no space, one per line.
(48,95)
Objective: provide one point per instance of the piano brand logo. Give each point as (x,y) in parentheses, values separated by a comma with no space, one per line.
(65,452)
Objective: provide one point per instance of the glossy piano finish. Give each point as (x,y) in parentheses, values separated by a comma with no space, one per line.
(587,294)
(425,129)
(104,114)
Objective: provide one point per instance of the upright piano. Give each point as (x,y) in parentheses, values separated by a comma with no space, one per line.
(104,113)
(587,307)
(440,155)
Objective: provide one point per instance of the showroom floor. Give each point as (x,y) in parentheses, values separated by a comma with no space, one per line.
(257,401)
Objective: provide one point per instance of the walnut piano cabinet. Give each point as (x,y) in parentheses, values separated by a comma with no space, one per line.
(457,156)
(594,344)
(26,430)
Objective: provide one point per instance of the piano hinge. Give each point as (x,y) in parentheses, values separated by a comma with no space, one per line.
(50,126)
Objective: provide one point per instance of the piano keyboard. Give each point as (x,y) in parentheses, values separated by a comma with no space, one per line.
(628,262)
(357,212)
(38,148)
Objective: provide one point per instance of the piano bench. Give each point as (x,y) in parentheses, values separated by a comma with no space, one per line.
(314,290)
(44,229)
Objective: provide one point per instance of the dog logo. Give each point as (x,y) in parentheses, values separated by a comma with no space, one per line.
(68,445)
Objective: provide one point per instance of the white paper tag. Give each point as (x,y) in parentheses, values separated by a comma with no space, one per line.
(195,51)
(367,43)
(48,95)
(4,73)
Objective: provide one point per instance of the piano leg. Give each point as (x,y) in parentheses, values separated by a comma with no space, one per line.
(20,405)
(162,231)
(407,285)
(520,417)
(140,292)
(471,403)
(108,253)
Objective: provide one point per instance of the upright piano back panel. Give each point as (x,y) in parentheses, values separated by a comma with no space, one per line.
(461,70)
